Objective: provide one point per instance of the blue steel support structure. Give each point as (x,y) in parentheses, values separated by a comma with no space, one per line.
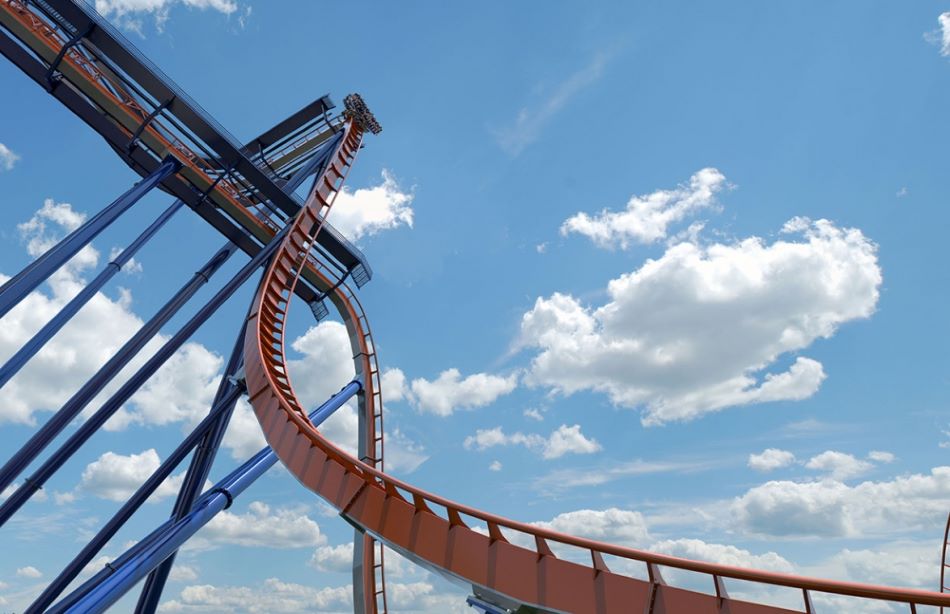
(123,574)
(38,442)
(207,449)
(99,418)
(261,178)
(34,345)
(16,289)
(92,548)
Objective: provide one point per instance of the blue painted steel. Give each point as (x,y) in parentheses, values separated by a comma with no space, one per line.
(92,548)
(196,475)
(38,442)
(31,347)
(205,453)
(133,568)
(99,418)
(17,288)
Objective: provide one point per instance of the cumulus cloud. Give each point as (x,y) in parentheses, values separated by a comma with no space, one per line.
(697,549)
(278,596)
(830,508)
(614,525)
(648,216)
(181,390)
(394,385)
(325,350)
(7,158)
(495,466)
(838,465)
(273,595)
(450,391)
(564,440)
(367,211)
(116,476)
(771,459)
(183,573)
(29,572)
(261,526)
(127,13)
(943,37)
(333,558)
(695,330)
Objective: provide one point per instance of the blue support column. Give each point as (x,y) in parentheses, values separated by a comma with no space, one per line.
(89,551)
(32,276)
(206,451)
(38,442)
(134,565)
(195,478)
(99,418)
(31,347)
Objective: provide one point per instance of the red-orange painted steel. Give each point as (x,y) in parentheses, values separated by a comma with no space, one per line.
(374,500)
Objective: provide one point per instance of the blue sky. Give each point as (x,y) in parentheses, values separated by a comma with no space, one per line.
(665,274)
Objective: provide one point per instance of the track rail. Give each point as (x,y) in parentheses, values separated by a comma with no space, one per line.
(433,530)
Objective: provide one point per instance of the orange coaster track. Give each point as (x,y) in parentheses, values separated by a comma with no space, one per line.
(439,533)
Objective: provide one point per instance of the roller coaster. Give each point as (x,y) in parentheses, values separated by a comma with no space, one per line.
(247,192)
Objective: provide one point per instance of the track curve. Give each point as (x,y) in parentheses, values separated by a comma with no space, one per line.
(432,530)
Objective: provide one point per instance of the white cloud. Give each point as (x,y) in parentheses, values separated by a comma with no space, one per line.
(262,527)
(85,343)
(694,331)
(880,456)
(613,525)
(325,349)
(893,564)
(698,550)
(541,248)
(183,573)
(39,496)
(771,459)
(29,572)
(7,158)
(333,558)
(393,383)
(647,217)
(450,391)
(495,466)
(838,465)
(244,436)
(132,267)
(273,595)
(367,211)
(830,508)
(403,455)
(534,414)
(944,20)
(116,477)
(278,596)
(125,13)
(528,125)
(564,440)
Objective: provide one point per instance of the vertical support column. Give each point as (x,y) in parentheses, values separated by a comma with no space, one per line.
(196,475)
(32,276)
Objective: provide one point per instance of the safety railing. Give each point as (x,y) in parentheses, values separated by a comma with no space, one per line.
(427,525)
